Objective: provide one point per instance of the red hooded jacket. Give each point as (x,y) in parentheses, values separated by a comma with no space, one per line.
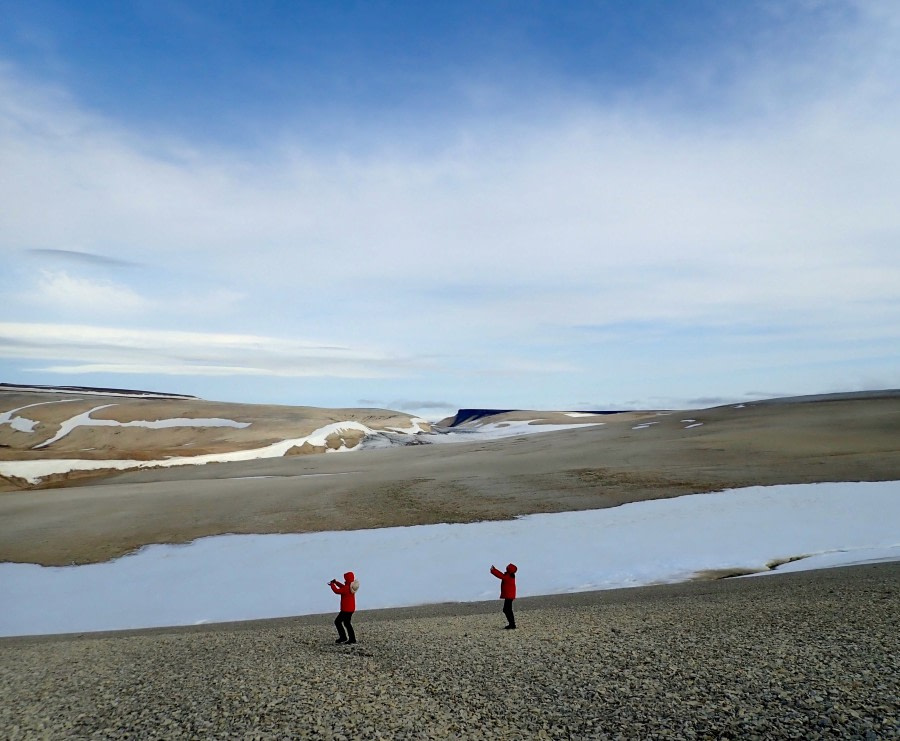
(347,590)
(507,581)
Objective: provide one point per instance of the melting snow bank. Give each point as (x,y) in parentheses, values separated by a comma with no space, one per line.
(34,471)
(498,430)
(242,577)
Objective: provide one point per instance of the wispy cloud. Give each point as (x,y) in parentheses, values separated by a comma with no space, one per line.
(78,257)
(629,217)
(406,404)
(92,349)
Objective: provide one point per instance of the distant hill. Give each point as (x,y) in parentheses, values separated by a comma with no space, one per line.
(94,390)
(52,435)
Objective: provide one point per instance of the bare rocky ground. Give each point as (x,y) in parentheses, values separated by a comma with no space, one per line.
(813,655)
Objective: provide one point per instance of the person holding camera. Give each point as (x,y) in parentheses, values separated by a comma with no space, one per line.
(347,590)
(507,592)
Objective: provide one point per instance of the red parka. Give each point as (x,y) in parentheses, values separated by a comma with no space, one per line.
(347,590)
(507,581)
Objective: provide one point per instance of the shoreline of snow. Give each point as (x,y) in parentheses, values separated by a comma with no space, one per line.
(243,577)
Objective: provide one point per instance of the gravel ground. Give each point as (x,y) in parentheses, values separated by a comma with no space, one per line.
(805,656)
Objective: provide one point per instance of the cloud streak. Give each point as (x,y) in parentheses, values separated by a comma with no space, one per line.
(79,258)
(92,349)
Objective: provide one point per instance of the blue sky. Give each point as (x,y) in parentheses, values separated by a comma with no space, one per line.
(427,206)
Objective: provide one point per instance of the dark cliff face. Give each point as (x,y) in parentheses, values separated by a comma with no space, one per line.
(470,415)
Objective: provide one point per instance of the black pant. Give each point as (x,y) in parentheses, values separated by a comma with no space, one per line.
(342,621)
(507,610)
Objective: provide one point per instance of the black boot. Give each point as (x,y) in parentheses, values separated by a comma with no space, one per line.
(341,640)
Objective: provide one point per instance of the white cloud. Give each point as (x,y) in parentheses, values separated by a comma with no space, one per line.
(92,349)
(642,208)
(300,368)
(67,293)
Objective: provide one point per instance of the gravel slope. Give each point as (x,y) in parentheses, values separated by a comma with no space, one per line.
(807,655)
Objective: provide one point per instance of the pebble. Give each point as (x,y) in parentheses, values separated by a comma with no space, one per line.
(801,656)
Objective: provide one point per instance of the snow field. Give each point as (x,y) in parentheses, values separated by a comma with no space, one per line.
(241,577)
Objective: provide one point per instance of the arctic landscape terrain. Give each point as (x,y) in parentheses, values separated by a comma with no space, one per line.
(124,509)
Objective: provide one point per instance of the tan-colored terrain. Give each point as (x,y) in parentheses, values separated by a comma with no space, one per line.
(265,424)
(779,442)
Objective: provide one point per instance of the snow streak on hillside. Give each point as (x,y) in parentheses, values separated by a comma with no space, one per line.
(34,471)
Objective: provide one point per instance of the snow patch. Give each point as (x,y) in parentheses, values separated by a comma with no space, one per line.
(242,577)
(23,424)
(416,425)
(85,420)
(34,471)
(512,428)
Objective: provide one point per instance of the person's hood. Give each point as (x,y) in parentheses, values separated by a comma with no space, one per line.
(511,568)
(350,578)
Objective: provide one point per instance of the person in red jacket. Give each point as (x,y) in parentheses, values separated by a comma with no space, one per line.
(347,590)
(507,592)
